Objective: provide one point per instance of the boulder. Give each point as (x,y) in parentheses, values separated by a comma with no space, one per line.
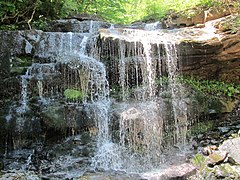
(232,146)
(217,157)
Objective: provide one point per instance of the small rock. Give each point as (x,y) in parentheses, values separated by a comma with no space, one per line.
(199,26)
(223,130)
(217,157)
(207,151)
(214,142)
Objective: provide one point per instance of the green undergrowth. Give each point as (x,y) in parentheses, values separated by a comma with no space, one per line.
(214,88)
(201,127)
(73,94)
(25,14)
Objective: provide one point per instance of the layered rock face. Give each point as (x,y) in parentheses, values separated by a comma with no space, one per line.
(48,82)
(212,59)
(201,51)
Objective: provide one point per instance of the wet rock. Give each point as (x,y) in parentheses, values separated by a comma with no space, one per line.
(179,172)
(232,146)
(19,175)
(74,25)
(1,165)
(224,130)
(116,175)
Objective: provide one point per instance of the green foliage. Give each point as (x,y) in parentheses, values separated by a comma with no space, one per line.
(73,94)
(22,13)
(163,80)
(212,87)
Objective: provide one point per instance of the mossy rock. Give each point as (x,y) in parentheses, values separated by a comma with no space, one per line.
(54,116)
(15,71)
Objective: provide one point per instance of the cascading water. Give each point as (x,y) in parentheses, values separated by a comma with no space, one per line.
(150,116)
(177,91)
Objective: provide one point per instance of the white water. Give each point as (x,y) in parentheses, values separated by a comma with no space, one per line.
(145,127)
(177,90)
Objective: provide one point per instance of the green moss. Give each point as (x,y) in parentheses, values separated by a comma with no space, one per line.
(73,94)
(199,161)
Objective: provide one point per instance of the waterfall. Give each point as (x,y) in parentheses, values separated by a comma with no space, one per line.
(178,103)
(151,117)
(23,107)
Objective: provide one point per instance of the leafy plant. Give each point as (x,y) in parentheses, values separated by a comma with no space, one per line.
(73,94)
(214,88)
(163,80)
(22,13)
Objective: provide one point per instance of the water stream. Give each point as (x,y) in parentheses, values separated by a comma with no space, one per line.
(149,122)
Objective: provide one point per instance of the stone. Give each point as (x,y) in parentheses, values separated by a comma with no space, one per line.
(74,25)
(199,26)
(224,130)
(228,106)
(232,146)
(209,150)
(217,157)
(19,175)
(111,174)
(176,172)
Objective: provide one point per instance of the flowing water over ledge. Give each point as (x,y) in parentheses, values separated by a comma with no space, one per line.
(131,113)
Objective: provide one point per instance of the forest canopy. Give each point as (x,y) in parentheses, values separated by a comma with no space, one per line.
(34,13)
